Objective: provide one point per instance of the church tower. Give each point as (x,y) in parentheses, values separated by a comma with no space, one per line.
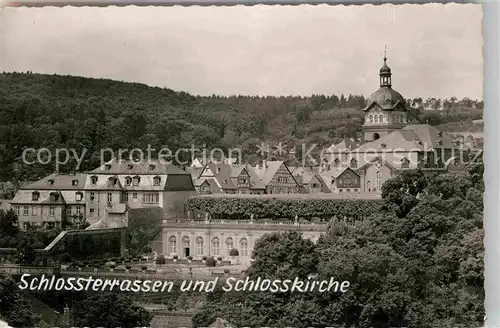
(386,109)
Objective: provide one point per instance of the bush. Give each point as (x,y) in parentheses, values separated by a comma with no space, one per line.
(146,249)
(286,206)
(204,258)
(160,260)
(65,258)
(176,257)
(128,267)
(211,262)
(190,257)
(79,264)
(219,258)
(234,252)
(144,267)
(143,260)
(112,266)
(122,259)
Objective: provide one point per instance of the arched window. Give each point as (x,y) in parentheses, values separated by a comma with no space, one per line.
(376,118)
(156,181)
(35,196)
(393,118)
(216,246)
(368,186)
(200,249)
(243,247)
(185,242)
(371,118)
(128,181)
(229,245)
(172,245)
(379,181)
(336,162)
(78,196)
(354,163)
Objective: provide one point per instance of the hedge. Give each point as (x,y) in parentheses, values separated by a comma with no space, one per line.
(235,207)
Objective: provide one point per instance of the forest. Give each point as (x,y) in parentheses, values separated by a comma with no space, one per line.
(54,111)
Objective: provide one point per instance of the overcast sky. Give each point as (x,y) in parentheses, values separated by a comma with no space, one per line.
(434,50)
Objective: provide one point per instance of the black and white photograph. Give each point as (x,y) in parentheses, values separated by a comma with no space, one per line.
(242,166)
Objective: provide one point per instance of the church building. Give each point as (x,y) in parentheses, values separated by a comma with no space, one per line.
(390,144)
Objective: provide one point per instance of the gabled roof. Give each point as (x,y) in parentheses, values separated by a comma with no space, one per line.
(255,182)
(267,173)
(58,181)
(26,197)
(383,161)
(211,182)
(129,167)
(222,173)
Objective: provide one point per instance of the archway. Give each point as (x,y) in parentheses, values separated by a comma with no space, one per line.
(376,136)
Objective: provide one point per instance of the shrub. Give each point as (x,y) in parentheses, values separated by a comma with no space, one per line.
(190,257)
(128,267)
(144,267)
(176,257)
(219,258)
(211,262)
(160,260)
(204,258)
(234,252)
(146,249)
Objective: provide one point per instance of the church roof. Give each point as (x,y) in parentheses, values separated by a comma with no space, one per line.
(387,98)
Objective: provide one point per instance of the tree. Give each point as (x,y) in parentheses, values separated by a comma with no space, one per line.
(13,308)
(110,310)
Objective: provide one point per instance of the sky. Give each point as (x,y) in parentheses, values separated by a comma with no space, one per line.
(434,50)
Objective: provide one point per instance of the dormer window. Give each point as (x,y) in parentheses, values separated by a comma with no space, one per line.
(130,166)
(336,163)
(78,196)
(107,167)
(156,181)
(35,196)
(112,181)
(440,134)
(74,183)
(136,181)
(93,180)
(405,163)
(152,166)
(218,170)
(50,182)
(54,197)
(440,142)
(354,163)
(383,146)
(128,181)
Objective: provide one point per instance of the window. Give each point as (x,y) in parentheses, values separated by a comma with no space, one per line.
(376,118)
(92,196)
(371,118)
(125,197)
(156,181)
(244,247)
(68,210)
(393,118)
(33,210)
(216,246)
(35,196)
(128,181)
(26,226)
(340,190)
(110,197)
(107,167)
(78,196)
(368,186)
(112,181)
(25,210)
(355,190)
(18,210)
(93,180)
(151,198)
(381,118)
(405,163)
(242,180)
(199,246)
(172,244)
(379,180)
(136,181)
(91,211)
(51,182)
(52,211)
(336,162)
(78,210)
(185,242)
(229,245)
(134,196)
(74,182)
(354,163)
(54,197)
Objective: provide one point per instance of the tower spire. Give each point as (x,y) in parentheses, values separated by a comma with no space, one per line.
(385,53)
(385,72)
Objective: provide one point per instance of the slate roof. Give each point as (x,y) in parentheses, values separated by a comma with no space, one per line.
(129,167)
(25,197)
(58,181)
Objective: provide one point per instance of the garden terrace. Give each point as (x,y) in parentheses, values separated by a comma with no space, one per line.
(289,207)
